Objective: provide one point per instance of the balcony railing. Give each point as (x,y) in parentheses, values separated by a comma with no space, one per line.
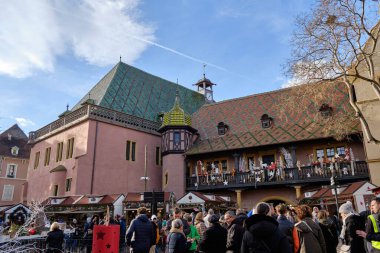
(95,112)
(349,171)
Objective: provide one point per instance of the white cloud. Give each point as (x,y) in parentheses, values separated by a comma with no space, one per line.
(34,33)
(24,122)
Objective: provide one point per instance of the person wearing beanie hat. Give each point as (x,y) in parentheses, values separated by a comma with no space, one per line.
(215,237)
(346,208)
(351,223)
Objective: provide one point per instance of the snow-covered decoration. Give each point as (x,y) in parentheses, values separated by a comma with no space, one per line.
(37,220)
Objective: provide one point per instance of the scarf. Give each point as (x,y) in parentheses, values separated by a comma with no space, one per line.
(343,232)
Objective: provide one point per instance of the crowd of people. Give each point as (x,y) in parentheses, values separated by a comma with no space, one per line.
(282,229)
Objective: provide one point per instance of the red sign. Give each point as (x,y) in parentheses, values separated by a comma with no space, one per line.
(106,239)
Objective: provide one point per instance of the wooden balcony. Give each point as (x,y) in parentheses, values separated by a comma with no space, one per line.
(307,175)
(90,111)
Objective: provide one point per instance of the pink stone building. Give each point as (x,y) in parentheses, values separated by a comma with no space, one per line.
(14,159)
(135,132)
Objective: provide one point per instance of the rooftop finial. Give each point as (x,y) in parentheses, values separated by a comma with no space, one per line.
(176,102)
(204,70)
(67,107)
(89,95)
(120,58)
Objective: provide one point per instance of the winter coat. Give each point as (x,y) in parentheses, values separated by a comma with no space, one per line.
(331,238)
(235,236)
(54,239)
(262,235)
(140,236)
(353,223)
(286,227)
(176,242)
(214,239)
(241,218)
(123,230)
(193,235)
(310,236)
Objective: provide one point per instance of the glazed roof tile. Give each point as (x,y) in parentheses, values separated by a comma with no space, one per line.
(243,116)
(132,91)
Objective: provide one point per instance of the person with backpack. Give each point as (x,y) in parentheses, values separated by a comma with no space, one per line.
(309,233)
(262,233)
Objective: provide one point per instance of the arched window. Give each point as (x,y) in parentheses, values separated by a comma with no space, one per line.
(266,121)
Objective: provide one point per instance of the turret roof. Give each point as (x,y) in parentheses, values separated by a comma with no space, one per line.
(176,116)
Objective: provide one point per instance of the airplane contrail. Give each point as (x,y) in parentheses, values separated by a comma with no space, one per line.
(157,45)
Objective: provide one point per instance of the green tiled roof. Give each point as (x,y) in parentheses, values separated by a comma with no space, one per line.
(132,91)
(242,115)
(176,116)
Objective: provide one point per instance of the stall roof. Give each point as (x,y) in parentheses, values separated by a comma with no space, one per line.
(136,196)
(83,200)
(200,198)
(350,189)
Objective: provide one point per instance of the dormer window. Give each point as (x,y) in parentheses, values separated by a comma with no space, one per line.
(160,116)
(222,128)
(14,150)
(325,110)
(266,121)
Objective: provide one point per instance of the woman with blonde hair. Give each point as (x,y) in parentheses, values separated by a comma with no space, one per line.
(54,239)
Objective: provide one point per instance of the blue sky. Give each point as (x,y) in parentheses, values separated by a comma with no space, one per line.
(53,52)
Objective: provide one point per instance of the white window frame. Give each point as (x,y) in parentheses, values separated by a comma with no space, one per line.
(8,188)
(14,171)
(14,150)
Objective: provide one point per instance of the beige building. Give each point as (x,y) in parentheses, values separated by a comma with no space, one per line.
(14,159)
(369,104)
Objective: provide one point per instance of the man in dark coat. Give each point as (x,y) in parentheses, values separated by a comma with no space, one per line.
(262,233)
(178,215)
(140,235)
(214,238)
(235,232)
(284,225)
